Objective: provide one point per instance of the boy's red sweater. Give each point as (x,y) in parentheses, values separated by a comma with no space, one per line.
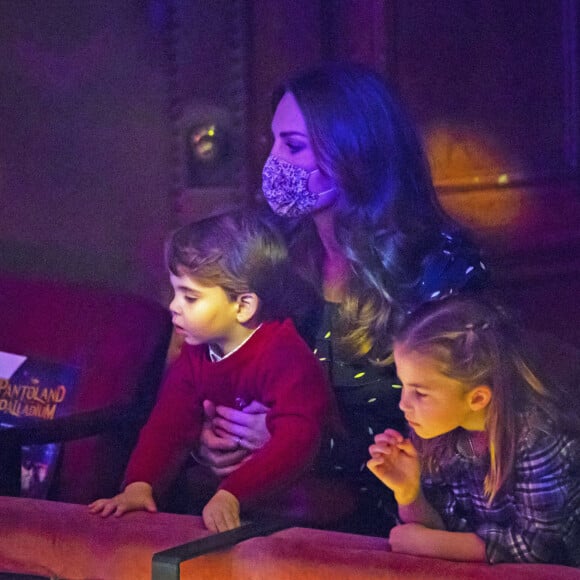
(275,367)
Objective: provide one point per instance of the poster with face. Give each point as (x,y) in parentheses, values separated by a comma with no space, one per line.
(35,390)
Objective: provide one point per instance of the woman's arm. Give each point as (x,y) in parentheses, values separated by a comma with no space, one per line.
(246,426)
(229,436)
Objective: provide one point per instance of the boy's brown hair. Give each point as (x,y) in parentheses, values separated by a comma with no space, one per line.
(240,251)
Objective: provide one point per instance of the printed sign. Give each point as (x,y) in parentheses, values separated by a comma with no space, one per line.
(33,389)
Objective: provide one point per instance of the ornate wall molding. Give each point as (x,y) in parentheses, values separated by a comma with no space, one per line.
(206,54)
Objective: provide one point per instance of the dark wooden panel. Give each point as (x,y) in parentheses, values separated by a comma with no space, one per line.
(493,87)
(490,83)
(206,53)
(84,142)
(286,36)
(361,31)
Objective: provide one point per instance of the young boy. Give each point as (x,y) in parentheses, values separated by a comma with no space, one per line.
(230,278)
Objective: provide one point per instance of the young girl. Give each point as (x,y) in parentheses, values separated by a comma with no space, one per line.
(491,470)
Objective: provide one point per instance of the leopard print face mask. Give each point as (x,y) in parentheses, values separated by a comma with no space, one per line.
(285,187)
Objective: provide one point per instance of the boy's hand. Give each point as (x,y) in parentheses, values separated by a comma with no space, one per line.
(136,496)
(395,462)
(222,512)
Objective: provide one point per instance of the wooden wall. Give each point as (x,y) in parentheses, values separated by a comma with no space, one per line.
(96,106)
(493,87)
(84,142)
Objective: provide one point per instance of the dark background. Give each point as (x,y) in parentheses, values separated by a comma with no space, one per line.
(97,100)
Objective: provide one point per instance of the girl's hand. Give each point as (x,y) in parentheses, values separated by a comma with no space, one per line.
(395,462)
(228,435)
(136,496)
(222,512)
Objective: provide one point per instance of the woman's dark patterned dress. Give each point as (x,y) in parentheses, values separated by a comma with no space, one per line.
(368,396)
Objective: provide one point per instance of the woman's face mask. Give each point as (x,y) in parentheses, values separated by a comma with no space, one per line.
(285,187)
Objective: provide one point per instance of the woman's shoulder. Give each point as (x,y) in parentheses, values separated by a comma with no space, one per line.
(452,265)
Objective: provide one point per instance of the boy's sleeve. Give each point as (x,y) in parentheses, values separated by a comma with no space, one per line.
(298,395)
(171,430)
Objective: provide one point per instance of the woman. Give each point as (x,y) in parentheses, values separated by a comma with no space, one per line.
(348,174)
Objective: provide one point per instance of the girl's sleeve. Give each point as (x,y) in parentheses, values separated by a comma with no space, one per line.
(545,523)
(441,497)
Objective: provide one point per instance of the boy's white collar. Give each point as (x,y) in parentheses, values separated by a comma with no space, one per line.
(214,356)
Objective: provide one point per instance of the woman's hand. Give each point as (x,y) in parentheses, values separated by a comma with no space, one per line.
(247,427)
(395,462)
(230,435)
(136,496)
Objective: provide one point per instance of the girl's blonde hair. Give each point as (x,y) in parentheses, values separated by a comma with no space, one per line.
(477,343)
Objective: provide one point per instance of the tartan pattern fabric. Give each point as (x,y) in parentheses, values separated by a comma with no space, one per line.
(536,518)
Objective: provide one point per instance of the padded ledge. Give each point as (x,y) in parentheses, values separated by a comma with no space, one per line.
(65,541)
(166,564)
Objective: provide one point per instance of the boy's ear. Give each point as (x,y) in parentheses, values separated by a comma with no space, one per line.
(480,397)
(248,304)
